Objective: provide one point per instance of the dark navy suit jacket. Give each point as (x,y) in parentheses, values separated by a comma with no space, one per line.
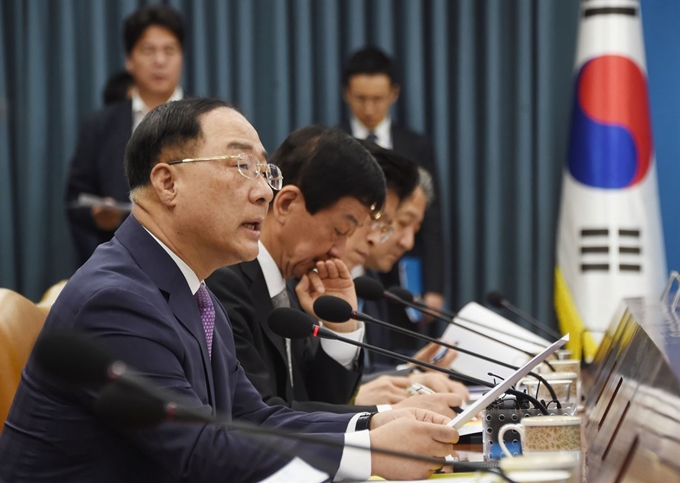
(97,168)
(429,240)
(321,383)
(133,300)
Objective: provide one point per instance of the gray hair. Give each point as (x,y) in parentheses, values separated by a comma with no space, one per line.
(426,184)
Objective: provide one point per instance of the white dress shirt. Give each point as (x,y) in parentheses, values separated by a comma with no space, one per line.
(383,131)
(140,109)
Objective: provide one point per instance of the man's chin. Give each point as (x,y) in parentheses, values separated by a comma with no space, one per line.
(248,254)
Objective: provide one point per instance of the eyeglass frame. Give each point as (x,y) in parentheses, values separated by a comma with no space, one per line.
(258,167)
(386,229)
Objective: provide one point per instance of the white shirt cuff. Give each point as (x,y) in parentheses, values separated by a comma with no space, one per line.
(355,463)
(343,353)
(384,407)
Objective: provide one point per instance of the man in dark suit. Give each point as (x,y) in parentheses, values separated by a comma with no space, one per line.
(402,180)
(370,90)
(332,187)
(153,38)
(199,182)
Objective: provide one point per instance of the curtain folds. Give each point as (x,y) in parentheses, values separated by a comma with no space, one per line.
(488,81)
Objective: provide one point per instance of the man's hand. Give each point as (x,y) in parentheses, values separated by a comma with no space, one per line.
(430,350)
(330,278)
(417,414)
(413,435)
(107,218)
(440,383)
(383,390)
(438,403)
(434,300)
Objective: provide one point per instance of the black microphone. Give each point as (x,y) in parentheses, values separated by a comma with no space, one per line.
(334,309)
(497,300)
(79,362)
(371,289)
(295,324)
(85,365)
(408,297)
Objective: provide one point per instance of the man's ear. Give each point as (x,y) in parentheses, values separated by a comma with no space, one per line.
(164,183)
(345,94)
(128,64)
(395,90)
(287,201)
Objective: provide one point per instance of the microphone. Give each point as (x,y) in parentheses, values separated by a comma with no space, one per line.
(80,362)
(371,289)
(334,309)
(132,401)
(292,323)
(406,296)
(497,300)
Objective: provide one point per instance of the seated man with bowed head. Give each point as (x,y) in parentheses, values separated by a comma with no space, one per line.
(199,183)
(332,187)
(402,180)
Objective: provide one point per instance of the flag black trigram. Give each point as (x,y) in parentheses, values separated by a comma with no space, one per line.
(604,250)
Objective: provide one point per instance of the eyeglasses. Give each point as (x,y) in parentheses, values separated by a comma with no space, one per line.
(385,229)
(248,165)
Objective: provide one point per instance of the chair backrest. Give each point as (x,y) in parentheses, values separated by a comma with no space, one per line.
(20,324)
(51,294)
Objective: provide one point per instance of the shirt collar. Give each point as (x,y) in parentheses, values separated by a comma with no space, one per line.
(140,108)
(382,131)
(272,275)
(189,274)
(357,271)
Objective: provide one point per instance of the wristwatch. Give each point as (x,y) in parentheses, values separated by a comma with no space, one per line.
(364,421)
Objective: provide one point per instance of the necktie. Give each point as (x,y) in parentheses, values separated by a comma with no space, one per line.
(207,309)
(281,300)
(372,138)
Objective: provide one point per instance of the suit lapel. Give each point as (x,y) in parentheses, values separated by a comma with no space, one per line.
(183,305)
(262,303)
(165,273)
(398,141)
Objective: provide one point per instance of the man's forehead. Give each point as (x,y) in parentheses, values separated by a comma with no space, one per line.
(411,211)
(231,131)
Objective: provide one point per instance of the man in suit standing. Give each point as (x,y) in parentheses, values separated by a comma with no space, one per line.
(370,90)
(332,187)
(153,38)
(199,181)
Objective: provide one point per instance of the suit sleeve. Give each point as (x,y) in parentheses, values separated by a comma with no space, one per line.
(143,338)
(82,178)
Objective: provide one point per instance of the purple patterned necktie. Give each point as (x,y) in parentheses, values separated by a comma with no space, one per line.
(207,309)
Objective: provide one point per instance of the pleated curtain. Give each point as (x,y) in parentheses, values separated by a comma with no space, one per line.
(489,81)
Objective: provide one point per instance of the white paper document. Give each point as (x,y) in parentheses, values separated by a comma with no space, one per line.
(86,200)
(490,323)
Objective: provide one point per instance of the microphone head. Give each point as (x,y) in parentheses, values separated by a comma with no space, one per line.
(369,288)
(128,406)
(332,309)
(73,359)
(496,299)
(402,293)
(291,323)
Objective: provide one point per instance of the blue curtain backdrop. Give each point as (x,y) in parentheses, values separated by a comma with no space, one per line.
(489,81)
